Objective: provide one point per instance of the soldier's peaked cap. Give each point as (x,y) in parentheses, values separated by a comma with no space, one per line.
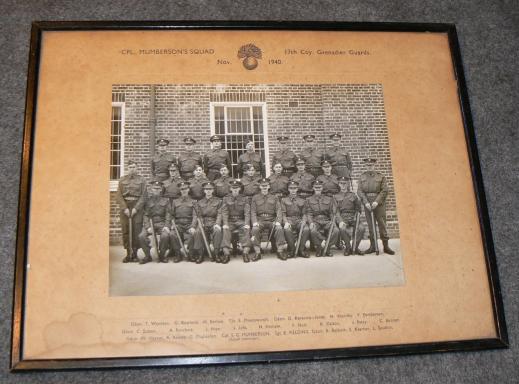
(369,160)
(283,138)
(306,137)
(293,183)
(317,183)
(183,184)
(214,138)
(130,162)
(264,181)
(208,185)
(325,163)
(335,136)
(300,160)
(163,142)
(235,184)
(343,179)
(156,183)
(189,140)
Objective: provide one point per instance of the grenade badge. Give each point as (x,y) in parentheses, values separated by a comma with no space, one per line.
(250,55)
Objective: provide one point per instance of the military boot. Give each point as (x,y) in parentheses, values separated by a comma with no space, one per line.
(347,250)
(371,248)
(147,258)
(387,250)
(226,257)
(257,254)
(281,255)
(134,258)
(162,257)
(245,254)
(128,257)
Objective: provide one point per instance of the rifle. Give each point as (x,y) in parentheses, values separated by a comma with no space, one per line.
(375,237)
(325,250)
(202,229)
(154,237)
(354,243)
(130,229)
(298,243)
(179,238)
(270,236)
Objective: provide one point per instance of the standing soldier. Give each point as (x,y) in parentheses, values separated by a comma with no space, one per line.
(171,189)
(338,157)
(196,184)
(303,178)
(266,216)
(372,191)
(131,194)
(250,181)
(250,157)
(294,219)
(236,218)
(320,211)
(215,158)
(286,157)
(278,181)
(222,185)
(183,224)
(189,159)
(210,210)
(157,219)
(161,161)
(330,182)
(348,205)
(312,156)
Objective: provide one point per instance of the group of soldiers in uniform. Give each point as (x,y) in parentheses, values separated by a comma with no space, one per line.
(193,209)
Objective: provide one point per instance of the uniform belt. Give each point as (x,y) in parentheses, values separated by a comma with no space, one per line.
(266,215)
(286,170)
(341,165)
(322,217)
(293,217)
(132,198)
(372,194)
(236,217)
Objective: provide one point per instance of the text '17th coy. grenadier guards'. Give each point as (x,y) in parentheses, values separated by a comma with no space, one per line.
(236,221)
(189,159)
(303,178)
(222,185)
(312,156)
(214,158)
(156,223)
(329,180)
(266,217)
(339,157)
(320,211)
(251,157)
(209,211)
(161,161)
(349,209)
(171,189)
(294,221)
(285,157)
(278,181)
(183,224)
(131,195)
(372,190)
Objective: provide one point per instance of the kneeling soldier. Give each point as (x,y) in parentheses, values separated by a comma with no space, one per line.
(266,216)
(294,219)
(236,217)
(320,211)
(157,218)
(348,206)
(209,215)
(183,224)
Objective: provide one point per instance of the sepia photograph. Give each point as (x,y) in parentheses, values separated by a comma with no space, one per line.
(248,188)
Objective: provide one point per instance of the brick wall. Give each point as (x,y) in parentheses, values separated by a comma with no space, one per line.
(354,110)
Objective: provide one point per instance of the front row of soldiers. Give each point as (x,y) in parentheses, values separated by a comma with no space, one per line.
(178,225)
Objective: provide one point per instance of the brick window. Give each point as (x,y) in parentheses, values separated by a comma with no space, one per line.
(237,122)
(116,143)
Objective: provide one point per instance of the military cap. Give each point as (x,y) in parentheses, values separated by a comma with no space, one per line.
(343,179)
(223,165)
(306,137)
(235,184)
(293,183)
(335,136)
(264,181)
(214,138)
(248,166)
(163,142)
(325,163)
(283,139)
(173,165)
(249,140)
(300,160)
(189,140)
(317,183)
(208,185)
(183,185)
(369,160)
(156,183)
(130,162)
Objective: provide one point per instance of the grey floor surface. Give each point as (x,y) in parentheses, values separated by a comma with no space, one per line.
(489,39)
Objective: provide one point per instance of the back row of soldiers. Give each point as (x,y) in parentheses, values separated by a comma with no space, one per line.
(289,207)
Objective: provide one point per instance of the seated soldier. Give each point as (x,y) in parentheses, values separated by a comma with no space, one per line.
(250,181)
(222,184)
(196,189)
(329,180)
(294,219)
(278,181)
(171,190)
(348,207)
(266,216)
(303,178)
(183,224)
(157,218)
(236,217)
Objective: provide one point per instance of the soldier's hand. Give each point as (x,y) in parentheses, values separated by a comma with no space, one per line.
(134,212)
(374,205)
(191,230)
(277,224)
(255,224)
(173,226)
(287,225)
(149,230)
(217,227)
(165,229)
(225,227)
(127,212)
(368,206)
(342,225)
(246,226)
(312,226)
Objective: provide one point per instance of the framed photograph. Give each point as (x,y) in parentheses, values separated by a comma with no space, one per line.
(226,192)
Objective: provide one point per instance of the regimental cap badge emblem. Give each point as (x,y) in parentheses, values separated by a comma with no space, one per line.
(250,55)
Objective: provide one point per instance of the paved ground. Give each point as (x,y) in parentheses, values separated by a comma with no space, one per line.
(268,274)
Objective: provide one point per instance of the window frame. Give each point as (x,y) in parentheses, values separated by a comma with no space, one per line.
(113,184)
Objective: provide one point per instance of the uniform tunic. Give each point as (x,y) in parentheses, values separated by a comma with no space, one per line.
(340,160)
(236,216)
(171,189)
(287,158)
(196,191)
(157,209)
(187,162)
(265,210)
(373,187)
(253,158)
(320,210)
(305,180)
(348,204)
(160,165)
(330,184)
(278,185)
(184,215)
(213,161)
(131,193)
(222,186)
(313,158)
(210,212)
(250,185)
(293,212)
